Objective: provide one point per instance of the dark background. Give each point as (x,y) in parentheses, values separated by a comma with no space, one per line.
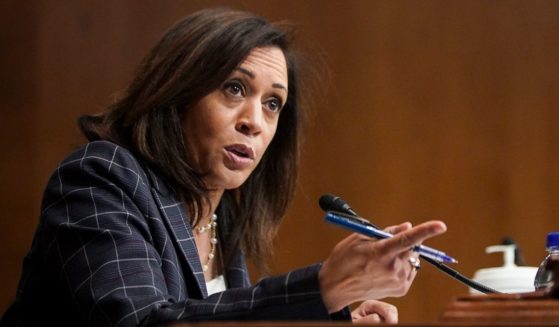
(433,109)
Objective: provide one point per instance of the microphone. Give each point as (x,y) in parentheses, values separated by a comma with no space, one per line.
(330,202)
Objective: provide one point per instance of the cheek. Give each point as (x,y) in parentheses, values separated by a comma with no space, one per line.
(273,132)
(267,140)
(206,144)
(198,145)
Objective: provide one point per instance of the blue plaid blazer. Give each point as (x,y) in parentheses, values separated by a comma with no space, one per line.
(113,248)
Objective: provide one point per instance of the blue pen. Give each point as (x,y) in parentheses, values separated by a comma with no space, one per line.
(364,227)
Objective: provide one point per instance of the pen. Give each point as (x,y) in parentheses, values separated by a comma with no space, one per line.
(364,227)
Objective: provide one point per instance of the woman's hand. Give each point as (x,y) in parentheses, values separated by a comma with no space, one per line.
(360,268)
(374,312)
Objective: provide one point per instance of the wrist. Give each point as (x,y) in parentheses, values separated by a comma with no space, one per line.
(332,298)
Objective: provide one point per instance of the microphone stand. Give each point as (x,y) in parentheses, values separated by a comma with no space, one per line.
(459,277)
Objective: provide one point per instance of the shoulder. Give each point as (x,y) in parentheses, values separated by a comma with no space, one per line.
(100,153)
(98,164)
(103,158)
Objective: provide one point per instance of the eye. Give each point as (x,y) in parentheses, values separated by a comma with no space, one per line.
(235,88)
(274,104)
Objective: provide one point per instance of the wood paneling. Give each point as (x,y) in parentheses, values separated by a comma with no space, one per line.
(20,196)
(433,109)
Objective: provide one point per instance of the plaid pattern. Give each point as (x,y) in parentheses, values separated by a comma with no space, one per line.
(112,249)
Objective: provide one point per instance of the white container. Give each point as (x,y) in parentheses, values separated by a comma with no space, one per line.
(509,278)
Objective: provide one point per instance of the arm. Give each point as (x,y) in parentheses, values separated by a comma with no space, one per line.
(294,296)
(104,240)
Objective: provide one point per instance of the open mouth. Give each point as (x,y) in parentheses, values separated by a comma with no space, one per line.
(241,151)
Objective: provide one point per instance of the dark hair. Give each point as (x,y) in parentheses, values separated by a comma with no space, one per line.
(192,59)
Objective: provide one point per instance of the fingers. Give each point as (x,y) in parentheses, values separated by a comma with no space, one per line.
(414,264)
(375,312)
(360,268)
(367,320)
(398,228)
(403,241)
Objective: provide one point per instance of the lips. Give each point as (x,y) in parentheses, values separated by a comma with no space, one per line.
(239,156)
(241,150)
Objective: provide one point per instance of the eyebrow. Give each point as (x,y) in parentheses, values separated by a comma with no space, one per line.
(252,76)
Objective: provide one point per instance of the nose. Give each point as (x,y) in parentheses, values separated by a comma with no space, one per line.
(250,118)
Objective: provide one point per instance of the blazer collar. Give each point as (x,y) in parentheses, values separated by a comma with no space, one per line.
(158,183)
(176,218)
(236,273)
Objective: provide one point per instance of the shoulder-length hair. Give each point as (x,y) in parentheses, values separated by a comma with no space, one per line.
(193,58)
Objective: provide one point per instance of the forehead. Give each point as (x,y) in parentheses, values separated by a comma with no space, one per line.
(269,61)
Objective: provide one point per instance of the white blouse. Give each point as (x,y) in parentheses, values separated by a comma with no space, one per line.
(216,285)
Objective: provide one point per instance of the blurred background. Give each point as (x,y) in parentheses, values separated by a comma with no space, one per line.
(431,110)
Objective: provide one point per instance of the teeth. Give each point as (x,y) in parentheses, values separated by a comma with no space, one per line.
(242,154)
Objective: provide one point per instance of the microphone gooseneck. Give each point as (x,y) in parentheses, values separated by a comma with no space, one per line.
(330,202)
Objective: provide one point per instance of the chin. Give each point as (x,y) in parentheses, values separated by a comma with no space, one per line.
(234,185)
(231,182)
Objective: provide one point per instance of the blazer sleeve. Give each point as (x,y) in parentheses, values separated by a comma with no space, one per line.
(96,237)
(293,296)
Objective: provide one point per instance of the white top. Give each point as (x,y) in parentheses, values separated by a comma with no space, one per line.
(216,285)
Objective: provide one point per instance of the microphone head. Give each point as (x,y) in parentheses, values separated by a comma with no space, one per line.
(330,202)
(326,201)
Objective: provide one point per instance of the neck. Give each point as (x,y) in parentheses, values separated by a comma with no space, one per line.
(215,198)
(209,209)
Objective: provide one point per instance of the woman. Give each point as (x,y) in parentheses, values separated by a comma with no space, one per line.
(186,175)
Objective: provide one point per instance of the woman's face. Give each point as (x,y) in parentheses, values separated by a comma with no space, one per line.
(228,130)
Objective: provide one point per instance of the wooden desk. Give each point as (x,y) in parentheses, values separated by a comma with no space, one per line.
(521,310)
(347,324)
(527,309)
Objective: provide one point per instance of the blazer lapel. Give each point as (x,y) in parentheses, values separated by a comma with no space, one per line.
(175,216)
(237,273)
